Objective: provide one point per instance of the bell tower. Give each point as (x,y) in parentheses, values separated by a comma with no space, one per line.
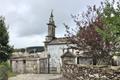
(51,28)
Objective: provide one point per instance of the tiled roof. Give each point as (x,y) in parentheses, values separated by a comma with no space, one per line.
(85,55)
(62,40)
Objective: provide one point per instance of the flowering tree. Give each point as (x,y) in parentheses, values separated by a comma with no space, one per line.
(98,31)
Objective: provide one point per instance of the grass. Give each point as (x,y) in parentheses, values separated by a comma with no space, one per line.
(11,74)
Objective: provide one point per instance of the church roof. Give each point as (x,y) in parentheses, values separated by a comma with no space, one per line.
(85,55)
(56,41)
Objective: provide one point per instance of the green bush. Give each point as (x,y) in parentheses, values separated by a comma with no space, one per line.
(5,71)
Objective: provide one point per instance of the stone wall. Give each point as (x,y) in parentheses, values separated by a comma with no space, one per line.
(85,72)
(30,65)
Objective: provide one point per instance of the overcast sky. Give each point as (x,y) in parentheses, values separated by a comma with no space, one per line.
(27,18)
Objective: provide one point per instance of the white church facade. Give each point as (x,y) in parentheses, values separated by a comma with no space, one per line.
(57,47)
(54,46)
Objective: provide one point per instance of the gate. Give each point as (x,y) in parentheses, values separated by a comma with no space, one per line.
(44,65)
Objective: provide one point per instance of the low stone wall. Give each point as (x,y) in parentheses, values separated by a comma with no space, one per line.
(84,72)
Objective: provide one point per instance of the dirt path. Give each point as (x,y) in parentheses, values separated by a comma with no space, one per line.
(35,77)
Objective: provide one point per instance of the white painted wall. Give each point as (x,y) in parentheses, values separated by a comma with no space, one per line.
(55,52)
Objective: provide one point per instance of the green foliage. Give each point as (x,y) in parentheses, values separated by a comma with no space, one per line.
(5,49)
(5,71)
(111,20)
(4,68)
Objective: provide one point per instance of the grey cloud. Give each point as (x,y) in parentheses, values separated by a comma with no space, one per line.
(28,18)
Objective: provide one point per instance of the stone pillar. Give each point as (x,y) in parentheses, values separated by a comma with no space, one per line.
(14,66)
(20,66)
(38,65)
(48,63)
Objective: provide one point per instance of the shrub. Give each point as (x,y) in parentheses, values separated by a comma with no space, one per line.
(5,71)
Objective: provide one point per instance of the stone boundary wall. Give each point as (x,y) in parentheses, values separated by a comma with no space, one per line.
(85,72)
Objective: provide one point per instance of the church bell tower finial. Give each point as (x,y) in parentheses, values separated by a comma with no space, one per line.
(51,19)
(51,28)
(52,13)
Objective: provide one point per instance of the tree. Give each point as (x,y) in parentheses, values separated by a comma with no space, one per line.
(111,20)
(97,32)
(5,48)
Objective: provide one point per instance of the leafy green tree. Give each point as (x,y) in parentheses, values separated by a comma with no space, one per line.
(111,20)
(5,48)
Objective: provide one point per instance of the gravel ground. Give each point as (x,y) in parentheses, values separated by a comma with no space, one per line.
(37,77)
(59,79)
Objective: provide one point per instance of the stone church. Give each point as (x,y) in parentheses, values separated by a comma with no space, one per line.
(54,46)
(49,59)
(46,61)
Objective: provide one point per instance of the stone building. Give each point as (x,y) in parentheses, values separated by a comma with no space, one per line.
(48,60)
(82,58)
(25,62)
(54,46)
